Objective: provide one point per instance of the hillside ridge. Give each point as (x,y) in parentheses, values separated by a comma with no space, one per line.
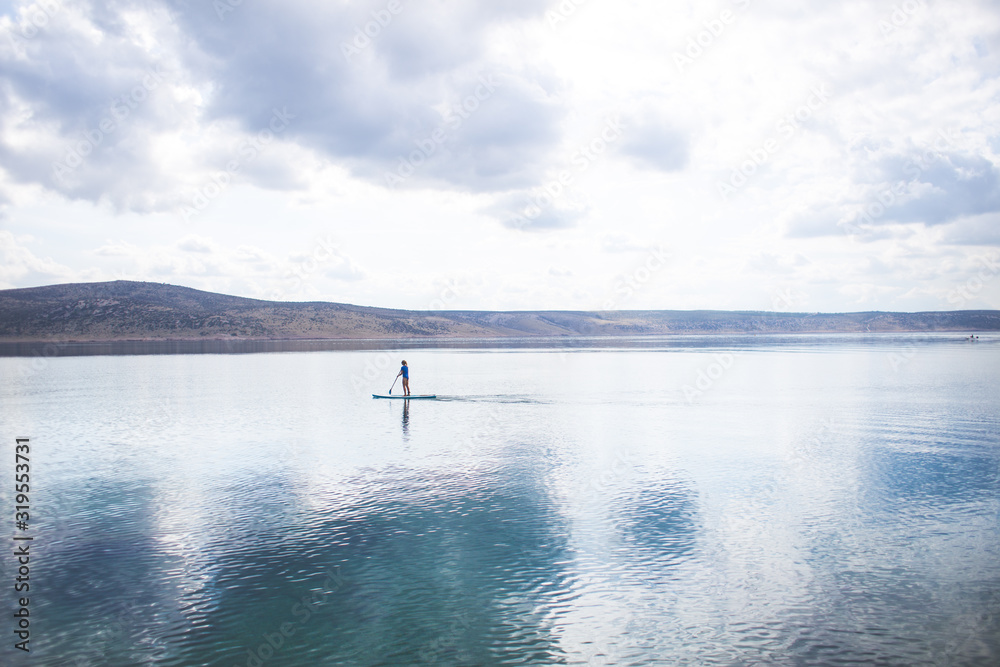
(130,310)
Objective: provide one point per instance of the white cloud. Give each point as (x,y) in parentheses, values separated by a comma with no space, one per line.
(20,266)
(197,244)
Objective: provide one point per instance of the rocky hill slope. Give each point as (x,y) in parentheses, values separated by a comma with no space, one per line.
(126,310)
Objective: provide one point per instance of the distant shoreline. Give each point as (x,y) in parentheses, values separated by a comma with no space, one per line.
(959,333)
(41,351)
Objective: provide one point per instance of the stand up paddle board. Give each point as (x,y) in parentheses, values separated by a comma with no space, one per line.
(413,396)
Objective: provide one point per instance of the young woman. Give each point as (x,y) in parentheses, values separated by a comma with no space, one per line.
(405,372)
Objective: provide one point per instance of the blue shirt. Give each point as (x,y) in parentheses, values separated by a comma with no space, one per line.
(406,372)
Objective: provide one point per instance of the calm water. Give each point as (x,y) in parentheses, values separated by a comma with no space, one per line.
(810,500)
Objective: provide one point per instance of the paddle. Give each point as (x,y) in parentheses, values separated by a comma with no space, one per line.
(393,385)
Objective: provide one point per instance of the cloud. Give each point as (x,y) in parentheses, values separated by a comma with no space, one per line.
(944,189)
(424,39)
(197,244)
(19,266)
(344,269)
(82,105)
(536,210)
(617,243)
(325,258)
(493,133)
(904,188)
(116,249)
(424,72)
(980,230)
(183,86)
(817,220)
(248,253)
(653,143)
(547,219)
(205,262)
(866,293)
(772,264)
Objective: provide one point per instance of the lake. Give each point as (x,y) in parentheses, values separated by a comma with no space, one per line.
(701,500)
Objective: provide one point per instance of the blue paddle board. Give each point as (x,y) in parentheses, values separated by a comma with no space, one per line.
(413,396)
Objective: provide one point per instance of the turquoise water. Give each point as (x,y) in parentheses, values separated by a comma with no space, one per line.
(684,501)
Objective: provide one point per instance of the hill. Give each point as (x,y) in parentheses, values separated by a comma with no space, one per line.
(126,310)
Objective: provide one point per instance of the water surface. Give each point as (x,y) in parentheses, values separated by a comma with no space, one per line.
(686,500)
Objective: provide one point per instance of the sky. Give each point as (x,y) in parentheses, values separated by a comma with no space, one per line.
(575,154)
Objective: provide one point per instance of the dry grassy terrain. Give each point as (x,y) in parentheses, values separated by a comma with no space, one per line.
(125,310)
